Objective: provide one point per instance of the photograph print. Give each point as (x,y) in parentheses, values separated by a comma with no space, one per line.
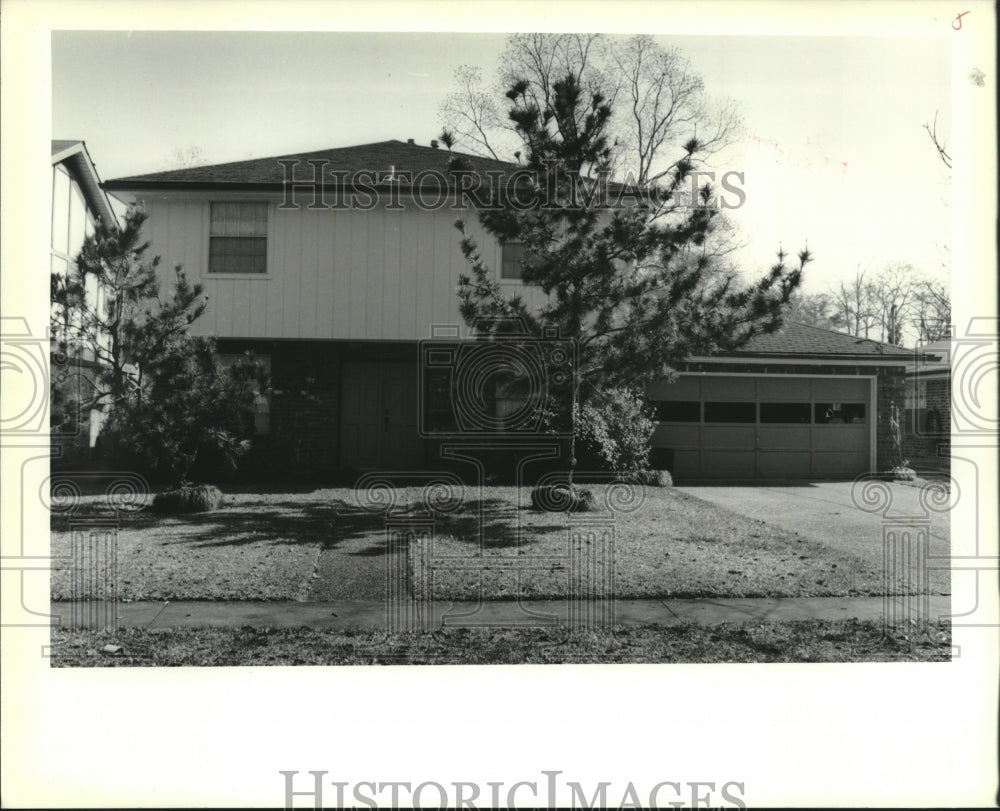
(375,348)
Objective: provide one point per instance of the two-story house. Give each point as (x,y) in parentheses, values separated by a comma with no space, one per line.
(334,265)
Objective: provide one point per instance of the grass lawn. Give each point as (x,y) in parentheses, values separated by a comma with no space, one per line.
(259,546)
(670,545)
(813,641)
(318,545)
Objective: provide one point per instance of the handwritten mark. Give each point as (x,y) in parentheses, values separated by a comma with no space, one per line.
(958,20)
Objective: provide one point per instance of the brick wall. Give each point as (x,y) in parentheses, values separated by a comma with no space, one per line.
(930,437)
(939,398)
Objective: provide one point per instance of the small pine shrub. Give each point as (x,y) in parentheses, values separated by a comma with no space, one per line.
(903,473)
(188,499)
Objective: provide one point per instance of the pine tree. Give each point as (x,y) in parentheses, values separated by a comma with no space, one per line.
(164,392)
(626,280)
(126,326)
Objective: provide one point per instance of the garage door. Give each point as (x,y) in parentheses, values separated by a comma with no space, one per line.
(742,426)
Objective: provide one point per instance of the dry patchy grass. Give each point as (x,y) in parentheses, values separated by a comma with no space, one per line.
(812,641)
(280,545)
(256,547)
(669,545)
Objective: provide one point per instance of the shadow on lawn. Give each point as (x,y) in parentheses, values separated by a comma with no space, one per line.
(329,523)
(499,522)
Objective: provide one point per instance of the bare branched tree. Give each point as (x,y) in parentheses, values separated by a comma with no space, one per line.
(852,305)
(473,112)
(891,292)
(938,141)
(896,305)
(660,103)
(663,123)
(664,104)
(814,309)
(544,59)
(932,310)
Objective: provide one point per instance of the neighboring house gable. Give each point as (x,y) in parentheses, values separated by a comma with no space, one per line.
(78,204)
(78,201)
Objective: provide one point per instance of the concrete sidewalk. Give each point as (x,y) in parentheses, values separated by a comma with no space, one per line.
(530,613)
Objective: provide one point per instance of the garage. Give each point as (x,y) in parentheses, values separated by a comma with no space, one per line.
(765,426)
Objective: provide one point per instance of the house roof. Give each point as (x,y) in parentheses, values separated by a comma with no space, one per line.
(383,165)
(798,340)
(62,146)
(75,157)
(381,159)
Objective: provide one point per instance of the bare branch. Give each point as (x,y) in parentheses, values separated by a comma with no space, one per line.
(939,145)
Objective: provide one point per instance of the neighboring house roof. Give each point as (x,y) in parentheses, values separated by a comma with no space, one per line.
(795,340)
(380,158)
(62,146)
(74,155)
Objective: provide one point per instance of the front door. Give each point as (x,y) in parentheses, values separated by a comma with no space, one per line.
(379,416)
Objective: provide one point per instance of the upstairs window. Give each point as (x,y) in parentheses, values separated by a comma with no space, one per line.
(512,257)
(238,238)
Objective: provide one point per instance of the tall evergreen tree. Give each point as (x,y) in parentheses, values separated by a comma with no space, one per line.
(625,280)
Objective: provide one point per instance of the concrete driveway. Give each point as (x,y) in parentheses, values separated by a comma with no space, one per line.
(826,512)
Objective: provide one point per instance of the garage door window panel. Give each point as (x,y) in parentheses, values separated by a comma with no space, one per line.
(680,411)
(785,413)
(839,413)
(730,412)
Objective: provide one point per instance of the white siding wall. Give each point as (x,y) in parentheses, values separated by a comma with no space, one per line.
(332,274)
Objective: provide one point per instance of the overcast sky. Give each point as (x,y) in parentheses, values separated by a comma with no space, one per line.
(834,151)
